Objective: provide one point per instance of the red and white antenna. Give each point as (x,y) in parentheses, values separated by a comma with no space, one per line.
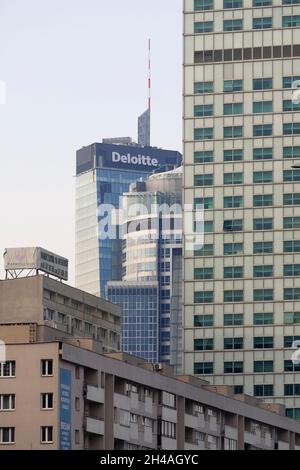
(149,76)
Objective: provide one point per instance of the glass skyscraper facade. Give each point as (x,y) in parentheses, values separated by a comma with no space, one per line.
(241,136)
(104,172)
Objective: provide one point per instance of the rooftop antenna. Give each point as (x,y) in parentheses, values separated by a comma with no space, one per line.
(144,121)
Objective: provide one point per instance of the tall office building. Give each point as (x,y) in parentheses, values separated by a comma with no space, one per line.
(150,293)
(103,173)
(241,134)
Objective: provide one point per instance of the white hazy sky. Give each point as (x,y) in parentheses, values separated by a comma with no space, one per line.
(75,72)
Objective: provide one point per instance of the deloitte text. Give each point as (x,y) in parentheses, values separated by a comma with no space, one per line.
(134,160)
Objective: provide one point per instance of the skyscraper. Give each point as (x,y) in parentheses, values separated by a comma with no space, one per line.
(103,173)
(241,134)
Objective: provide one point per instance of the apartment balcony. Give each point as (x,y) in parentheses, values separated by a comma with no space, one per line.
(95,394)
(167,414)
(196,421)
(95,426)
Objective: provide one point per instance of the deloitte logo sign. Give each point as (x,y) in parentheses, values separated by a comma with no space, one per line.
(129,159)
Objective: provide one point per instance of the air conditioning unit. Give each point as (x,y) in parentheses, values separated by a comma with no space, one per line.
(158,367)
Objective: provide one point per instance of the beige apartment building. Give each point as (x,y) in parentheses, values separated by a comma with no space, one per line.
(241,139)
(58,395)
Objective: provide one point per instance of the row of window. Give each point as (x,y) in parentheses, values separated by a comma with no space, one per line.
(8,369)
(204,27)
(261,367)
(262,342)
(237,202)
(237,272)
(236,132)
(237,225)
(237,155)
(8,435)
(231,86)
(246,54)
(289,176)
(259,295)
(8,402)
(237,319)
(259,107)
(259,248)
(203,5)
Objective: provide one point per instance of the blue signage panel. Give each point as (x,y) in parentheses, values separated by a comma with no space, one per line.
(126,157)
(65,409)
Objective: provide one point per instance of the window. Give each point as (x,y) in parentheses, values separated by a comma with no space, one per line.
(266,342)
(263,23)
(291,176)
(200,88)
(203,273)
(233,132)
(8,369)
(291,318)
(200,5)
(46,367)
(263,154)
(262,3)
(291,21)
(265,200)
(7,402)
(292,246)
(233,368)
(262,84)
(46,434)
(233,249)
(206,133)
(262,107)
(203,368)
(205,202)
(292,294)
(206,297)
(201,27)
(233,155)
(231,86)
(263,271)
(77,436)
(263,224)
(233,4)
(291,270)
(234,319)
(291,152)
(203,110)
(7,435)
(206,250)
(206,344)
(203,320)
(263,295)
(233,296)
(292,128)
(292,390)
(204,180)
(261,367)
(290,340)
(293,413)
(204,227)
(289,366)
(233,25)
(233,343)
(233,178)
(235,272)
(262,177)
(263,390)
(289,106)
(263,318)
(262,130)
(292,199)
(203,157)
(233,108)
(262,248)
(291,223)
(77,404)
(133,418)
(233,225)
(287,82)
(238,389)
(47,401)
(233,202)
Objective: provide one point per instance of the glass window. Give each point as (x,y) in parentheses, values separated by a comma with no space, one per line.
(231,86)
(206,297)
(233,178)
(289,106)
(231,4)
(233,108)
(288,81)
(263,224)
(262,84)
(233,155)
(292,128)
(289,366)
(204,344)
(292,199)
(233,296)
(292,389)
(204,202)
(291,318)
(203,320)
(263,23)
(263,390)
(201,88)
(263,177)
(46,434)
(206,250)
(233,225)
(291,152)
(290,2)
(203,110)
(235,272)
(203,157)
(7,402)
(233,367)
(233,25)
(234,319)
(263,295)
(263,271)
(290,340)
(291,270)
(264,318)
(265,200)
(47,367)
(233,202)
(262,130)
(47,401)
(8,369)
(233,249)
(233,343)
(292,294)
(291,223)
(204,227)
(203,5)
(291,176)
(263,107)
(203,27)
(204,180)
(262,248)
(7,435)
(263,154)
(204,133)
(203,273)
(262,3)
(291,21)
(233,132)
(291,246)
(261,367)
(266,342)
(203,368)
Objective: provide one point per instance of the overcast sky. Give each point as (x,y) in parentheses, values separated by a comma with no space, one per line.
(75,72)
